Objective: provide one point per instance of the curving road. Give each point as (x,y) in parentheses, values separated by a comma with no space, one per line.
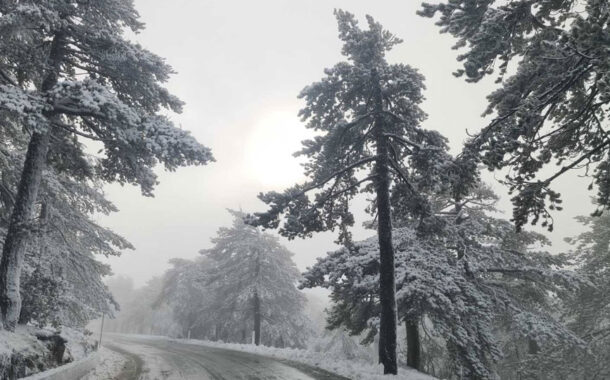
(152,358)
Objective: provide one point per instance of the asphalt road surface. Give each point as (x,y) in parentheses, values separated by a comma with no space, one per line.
(159,359)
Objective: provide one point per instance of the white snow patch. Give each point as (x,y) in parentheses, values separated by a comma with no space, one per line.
(24,343)
(78,345)
(352,369)
(21,340)
(109,365)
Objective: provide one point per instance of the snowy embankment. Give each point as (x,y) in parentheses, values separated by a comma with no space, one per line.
(31,350)
(353,369)
(109,365)
(72,371)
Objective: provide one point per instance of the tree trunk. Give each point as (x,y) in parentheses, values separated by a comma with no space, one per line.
(257,303)
(387,282)
(413,345)
(257,319)
(18,230)
(532,347)
(16,238)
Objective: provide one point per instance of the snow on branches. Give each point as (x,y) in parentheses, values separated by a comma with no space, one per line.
(463,284)
(553,108)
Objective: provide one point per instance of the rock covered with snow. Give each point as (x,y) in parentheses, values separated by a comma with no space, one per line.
(30,350)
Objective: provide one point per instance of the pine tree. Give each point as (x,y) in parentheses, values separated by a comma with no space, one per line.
(553,109)
(64,242)
(367,117)
(68,73)
(139,313)
(469,279)
(184,290)
(588,310)
(254,279)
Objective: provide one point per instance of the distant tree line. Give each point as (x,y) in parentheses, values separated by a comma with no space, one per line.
(241,290)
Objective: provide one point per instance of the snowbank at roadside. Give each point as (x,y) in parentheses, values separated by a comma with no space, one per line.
(30,350)
(21,340)
(79,344)
(353,369)
(109,366)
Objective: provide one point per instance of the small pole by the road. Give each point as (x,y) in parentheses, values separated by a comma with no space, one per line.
(99,345)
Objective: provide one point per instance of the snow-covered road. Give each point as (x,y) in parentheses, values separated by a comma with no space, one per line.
(165,359)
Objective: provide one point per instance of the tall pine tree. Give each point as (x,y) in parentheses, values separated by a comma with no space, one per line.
(64,240)
(253,279)
(69,73)
(367,117)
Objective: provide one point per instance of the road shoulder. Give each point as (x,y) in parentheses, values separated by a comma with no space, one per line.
(115,364)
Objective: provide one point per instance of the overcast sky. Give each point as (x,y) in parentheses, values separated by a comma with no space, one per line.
(240,66)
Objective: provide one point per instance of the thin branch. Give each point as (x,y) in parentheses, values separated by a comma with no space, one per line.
(346,127)
(402,175)
(323,182)
(7,78)
(76,132)
(58,108)
(343,191)
(575,163)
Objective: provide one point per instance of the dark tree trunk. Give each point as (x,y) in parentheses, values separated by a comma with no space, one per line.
(257,303)
(217,332)
(532,347)
(257,319)
(387,282)
(16,238)
(18,229)
(413,345)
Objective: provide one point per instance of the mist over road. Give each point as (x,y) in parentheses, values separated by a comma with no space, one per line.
(158,358)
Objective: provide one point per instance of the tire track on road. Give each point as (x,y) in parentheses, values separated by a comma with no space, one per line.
(132,369)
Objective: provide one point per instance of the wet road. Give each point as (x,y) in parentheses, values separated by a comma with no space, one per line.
(157,358)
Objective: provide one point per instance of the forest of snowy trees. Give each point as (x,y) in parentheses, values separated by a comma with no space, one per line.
(445,284)
(243,289)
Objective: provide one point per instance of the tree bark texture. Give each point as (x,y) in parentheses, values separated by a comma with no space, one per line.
(257,306)
(257,319)
(16,239)
(413,344)
(387,282)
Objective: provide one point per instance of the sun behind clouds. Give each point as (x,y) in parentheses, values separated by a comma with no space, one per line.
(270,145)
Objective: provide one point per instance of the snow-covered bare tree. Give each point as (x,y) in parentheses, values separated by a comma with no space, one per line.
(553,107)
(255,278)
(367,118)
(69,73)
(463,283)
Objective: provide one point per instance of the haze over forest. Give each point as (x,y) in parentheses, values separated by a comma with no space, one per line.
(243,104)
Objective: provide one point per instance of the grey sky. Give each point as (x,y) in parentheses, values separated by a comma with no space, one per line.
(240,66)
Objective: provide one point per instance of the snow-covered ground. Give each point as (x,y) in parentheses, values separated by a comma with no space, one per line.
(22,341)
(353,369)
(110,364)
(21,352)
